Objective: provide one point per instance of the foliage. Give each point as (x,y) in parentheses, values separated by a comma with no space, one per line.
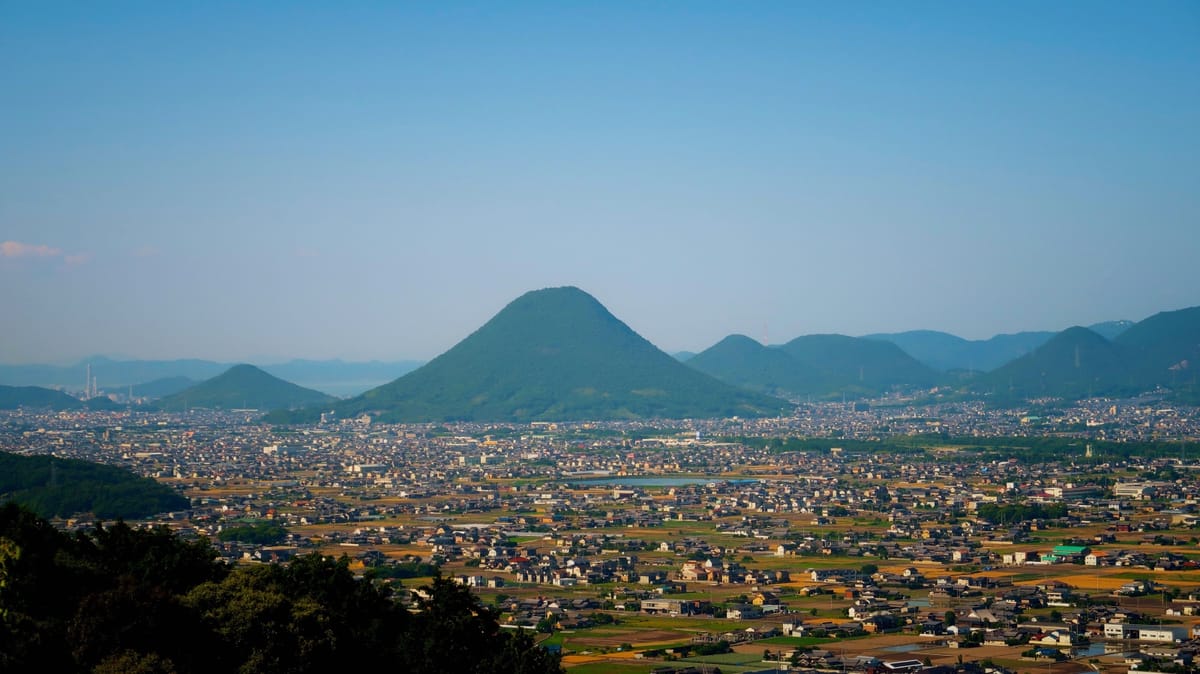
(12,397)
(715,648)
(54,487)
(1011,513)
(116,599)
(403,570)
(261,533)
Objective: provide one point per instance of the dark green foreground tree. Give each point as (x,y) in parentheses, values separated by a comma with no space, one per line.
(116,599)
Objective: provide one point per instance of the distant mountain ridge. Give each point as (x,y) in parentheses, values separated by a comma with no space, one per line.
(1161,351)
(743,361)
(1075,363)
(815,365)
(335,376)
(944,351)
(554,354)
(243,386)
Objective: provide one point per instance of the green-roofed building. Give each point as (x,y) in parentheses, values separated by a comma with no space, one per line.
(1069,553)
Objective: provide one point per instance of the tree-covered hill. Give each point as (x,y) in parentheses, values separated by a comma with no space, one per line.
(242,387)
(1163,350)
(54,487)
(36,397)
(119,600)
(554,354)
(855,366)
(740,360)
(1074,363)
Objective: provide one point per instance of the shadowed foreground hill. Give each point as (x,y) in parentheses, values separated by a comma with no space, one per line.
(54,487)
(119,600)
(553,354)
(243,386)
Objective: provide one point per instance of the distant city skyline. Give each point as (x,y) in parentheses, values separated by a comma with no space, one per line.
(301,180)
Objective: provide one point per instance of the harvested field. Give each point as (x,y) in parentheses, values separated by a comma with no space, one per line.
(636,637)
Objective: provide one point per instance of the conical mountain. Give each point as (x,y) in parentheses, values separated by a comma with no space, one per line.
(857,366)
(244,387)
(742,361)
(1075,363)
(554,354)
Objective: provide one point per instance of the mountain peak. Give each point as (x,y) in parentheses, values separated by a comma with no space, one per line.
(244,386)
(556,354)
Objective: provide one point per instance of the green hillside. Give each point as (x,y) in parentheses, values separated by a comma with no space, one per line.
(857,366)
(54,487)
(1160,351)
(1165,350)
(243,387)
(36,397)
(1075,363)
(742,361)
(553,354)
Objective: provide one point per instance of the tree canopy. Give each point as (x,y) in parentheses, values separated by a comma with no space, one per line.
(119,599)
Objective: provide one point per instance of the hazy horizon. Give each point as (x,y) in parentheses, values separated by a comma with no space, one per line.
(374,183)
(274,359)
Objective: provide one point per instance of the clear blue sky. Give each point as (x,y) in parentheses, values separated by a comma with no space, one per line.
(375,180)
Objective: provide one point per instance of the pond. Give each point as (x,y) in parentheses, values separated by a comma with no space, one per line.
(1099,648)
(904,648)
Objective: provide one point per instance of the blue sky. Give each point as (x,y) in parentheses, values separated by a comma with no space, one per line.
(256,180)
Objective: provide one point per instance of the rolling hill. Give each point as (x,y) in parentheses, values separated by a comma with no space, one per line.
(337,376)
(857,366)
(243,387)
(944,351)
(54,487)
(1075,363)
(742,361)
(553,354)
(1160,351)
(12,397)
(1164,350)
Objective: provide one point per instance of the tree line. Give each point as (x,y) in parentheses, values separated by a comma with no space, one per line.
(118,599)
